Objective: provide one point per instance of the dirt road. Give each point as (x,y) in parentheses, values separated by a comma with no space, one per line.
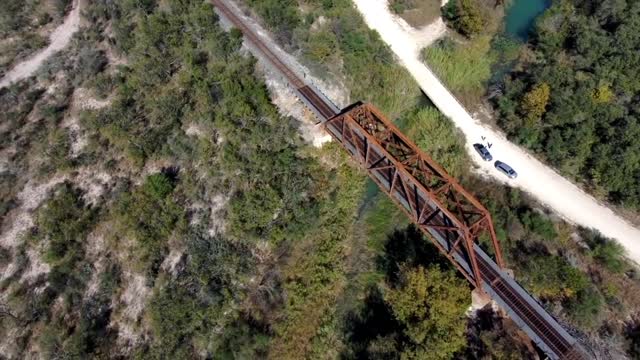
(58,40)
(537,179)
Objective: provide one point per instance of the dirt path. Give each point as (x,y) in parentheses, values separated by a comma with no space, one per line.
(58,40)
(537,179)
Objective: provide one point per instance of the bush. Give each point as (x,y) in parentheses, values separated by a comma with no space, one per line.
(586,310)
(90,62)
(466,16)
(605,251)
(151,215)
(539,225)
(64,221)
(61,6)
(281,15)
(464,68)
(553,278)
(400,6)
(430,304)
(435,135)
(321,46)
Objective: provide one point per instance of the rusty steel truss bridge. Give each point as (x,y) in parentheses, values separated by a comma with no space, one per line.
(452,218)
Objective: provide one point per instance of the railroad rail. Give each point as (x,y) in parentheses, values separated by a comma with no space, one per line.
(456,222)
(451,218)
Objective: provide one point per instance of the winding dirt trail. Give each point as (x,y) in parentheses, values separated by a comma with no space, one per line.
(58,40)
(537,179)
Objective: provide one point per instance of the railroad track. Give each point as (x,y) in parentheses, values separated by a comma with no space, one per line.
(551,337)
(538,324)
(321,106)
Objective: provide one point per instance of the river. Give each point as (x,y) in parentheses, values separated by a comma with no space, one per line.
(521,15)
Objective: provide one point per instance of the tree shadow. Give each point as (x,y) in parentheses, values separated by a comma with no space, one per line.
(409,246)
(375,320)
(366,327)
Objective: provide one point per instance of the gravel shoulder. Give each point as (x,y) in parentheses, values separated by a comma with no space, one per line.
(537,179)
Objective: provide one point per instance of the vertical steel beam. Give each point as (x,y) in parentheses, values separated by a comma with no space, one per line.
(419,184)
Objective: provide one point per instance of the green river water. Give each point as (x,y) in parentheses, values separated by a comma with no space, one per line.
(521,14)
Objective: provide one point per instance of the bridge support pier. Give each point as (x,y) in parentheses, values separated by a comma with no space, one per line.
(479,299)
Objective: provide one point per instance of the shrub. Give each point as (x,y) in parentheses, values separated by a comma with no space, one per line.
(430,304)
(321,46)
(63,222)
(61,6)
(539,225)
(437,137)
(587,308)
(90,62)
(465,68)
(466,16)
(400,6)
(281,15)
(605,251)
(151,214)
(553,278)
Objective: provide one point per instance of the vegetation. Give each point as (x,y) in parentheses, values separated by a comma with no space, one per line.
(22,28)
(400,6)
(466,16)
(63,223)
(151,215)
(465,68)
(430,305)
(437,137)
(417,13)
(281,15)
(192,221)
(570,99)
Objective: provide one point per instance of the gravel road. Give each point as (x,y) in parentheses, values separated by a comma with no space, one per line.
(542,182)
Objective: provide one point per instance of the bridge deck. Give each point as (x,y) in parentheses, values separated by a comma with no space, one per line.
(520,305)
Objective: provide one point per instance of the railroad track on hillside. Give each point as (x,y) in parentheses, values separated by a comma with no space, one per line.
(369,144)
(312,97)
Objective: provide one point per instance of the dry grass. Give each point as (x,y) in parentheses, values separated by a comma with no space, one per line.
(424,13)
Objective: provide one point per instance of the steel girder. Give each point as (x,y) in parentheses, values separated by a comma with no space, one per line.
(449,215)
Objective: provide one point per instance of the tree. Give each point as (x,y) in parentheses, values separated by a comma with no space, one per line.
(430,304)
(602,94)
(534,103)
(466,16)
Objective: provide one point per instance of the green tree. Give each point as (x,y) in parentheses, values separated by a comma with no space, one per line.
(465,16)
(602,94)
(534,103)
(430,303)
(581,49)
